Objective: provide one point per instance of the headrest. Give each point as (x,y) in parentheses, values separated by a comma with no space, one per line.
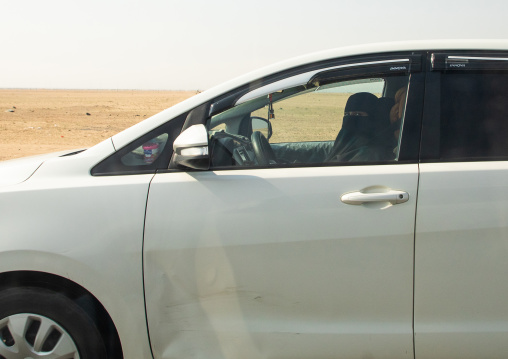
(384,105)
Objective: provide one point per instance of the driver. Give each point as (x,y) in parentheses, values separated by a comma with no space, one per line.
(357,139)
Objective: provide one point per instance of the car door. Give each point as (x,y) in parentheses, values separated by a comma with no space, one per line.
(462,224)
(302,256)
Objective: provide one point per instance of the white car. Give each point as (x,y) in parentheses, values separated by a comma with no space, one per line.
(348,204)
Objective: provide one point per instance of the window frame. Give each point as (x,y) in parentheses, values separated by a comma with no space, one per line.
(113,166)
(441,63)
(364,67)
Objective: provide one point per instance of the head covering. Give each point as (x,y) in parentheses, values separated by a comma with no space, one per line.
(364,130)
(362,102)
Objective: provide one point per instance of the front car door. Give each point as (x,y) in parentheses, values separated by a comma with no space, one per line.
(461,246)
(300,246)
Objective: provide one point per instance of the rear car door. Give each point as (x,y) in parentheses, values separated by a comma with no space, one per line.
(305,255)
(461,246)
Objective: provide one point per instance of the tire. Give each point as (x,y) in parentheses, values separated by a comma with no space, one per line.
(39,323)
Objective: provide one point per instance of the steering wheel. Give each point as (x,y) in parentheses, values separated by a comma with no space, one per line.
(262,149)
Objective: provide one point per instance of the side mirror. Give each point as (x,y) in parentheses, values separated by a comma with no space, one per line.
(191,148)
(262,125)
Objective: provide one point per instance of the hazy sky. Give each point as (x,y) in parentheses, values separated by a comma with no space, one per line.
(167,44)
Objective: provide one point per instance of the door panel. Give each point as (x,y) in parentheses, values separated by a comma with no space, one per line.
(460,261)
(269,263)
(462,223)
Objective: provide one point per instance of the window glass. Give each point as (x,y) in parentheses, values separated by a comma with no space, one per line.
(474,115)
(221,126)
(148,153)
(343,121)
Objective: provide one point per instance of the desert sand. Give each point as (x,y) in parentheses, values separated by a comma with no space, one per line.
(40,121)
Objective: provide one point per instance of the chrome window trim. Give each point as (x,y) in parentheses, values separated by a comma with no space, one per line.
(477,58)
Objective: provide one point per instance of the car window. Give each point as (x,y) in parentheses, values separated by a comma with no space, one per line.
(333,122)
(148,153)
(474,115)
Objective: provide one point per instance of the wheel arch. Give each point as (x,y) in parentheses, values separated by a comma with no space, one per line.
(82,297)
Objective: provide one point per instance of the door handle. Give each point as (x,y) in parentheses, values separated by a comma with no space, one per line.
(358,197)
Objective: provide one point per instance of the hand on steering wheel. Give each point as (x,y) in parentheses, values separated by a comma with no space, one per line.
(262,149)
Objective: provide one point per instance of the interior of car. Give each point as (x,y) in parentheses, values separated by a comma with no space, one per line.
(354,120)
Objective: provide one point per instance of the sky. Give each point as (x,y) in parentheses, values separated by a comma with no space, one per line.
(196,44)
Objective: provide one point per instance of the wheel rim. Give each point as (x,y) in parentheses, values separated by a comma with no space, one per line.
(31,336)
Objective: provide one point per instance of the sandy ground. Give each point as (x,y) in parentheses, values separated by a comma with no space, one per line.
(41,121)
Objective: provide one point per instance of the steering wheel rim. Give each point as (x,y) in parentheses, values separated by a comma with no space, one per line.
(262,149)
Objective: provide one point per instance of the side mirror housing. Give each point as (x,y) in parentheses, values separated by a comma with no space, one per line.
(191,148)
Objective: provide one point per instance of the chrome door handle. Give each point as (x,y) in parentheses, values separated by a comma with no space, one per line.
(358,197)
